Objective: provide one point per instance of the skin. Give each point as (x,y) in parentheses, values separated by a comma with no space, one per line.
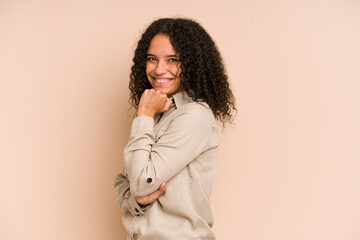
(163,72)
(163,66)
(152,197)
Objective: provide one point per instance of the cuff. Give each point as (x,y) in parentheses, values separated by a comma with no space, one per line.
(142,124)
(135,208)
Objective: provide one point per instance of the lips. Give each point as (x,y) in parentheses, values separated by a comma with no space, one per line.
(162,80)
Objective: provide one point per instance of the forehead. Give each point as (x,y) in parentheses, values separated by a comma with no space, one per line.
(161,45)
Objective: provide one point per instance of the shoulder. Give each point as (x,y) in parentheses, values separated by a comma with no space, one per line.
(184,103)
(200,109)
(198,115)
(195,113)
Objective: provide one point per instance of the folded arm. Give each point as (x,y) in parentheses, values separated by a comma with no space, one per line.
(147,163)
(127,202)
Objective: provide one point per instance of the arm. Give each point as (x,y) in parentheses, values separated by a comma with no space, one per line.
(151,102)
(184,140)
(126,202)
(123,198)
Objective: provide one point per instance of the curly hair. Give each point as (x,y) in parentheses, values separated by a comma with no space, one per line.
(203,73)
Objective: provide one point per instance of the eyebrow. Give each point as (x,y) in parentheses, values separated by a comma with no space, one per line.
(150,54)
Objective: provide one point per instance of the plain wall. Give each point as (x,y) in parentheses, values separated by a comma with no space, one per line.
(290,169)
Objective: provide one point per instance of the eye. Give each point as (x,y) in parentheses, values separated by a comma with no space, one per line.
(173,60)
(151,59)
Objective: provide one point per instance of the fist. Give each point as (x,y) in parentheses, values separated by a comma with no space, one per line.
(152,102)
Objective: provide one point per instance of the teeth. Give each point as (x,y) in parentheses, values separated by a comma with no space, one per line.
(162,80)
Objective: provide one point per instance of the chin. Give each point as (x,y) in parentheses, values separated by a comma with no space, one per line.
(162,90)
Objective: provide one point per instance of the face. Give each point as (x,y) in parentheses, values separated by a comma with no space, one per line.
(163,66)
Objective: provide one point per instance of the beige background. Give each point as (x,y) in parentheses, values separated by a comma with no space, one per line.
(289,170)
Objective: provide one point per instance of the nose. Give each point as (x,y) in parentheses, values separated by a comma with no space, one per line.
(160,68)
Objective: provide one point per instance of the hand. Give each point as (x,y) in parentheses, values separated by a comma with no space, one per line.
(152,102)
(152,197)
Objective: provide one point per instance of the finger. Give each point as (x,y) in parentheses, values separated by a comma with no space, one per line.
(162,188)
(147,199)
(152,196)
(146,92)
(143,200)
(155,195)
(167,104)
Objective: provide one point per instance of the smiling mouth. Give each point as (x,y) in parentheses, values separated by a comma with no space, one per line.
(162,80)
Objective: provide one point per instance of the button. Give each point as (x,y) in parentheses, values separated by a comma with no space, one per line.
(149,180)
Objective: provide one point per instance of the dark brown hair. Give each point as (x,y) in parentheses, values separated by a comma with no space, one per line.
(203,73)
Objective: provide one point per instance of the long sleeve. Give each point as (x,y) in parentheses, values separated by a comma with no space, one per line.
(123,197)
(148,161)
(179,147)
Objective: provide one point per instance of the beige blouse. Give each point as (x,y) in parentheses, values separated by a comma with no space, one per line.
(179,147)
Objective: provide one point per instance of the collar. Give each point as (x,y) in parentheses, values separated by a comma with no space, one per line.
(180,99)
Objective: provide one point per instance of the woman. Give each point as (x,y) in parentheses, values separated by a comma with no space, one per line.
(179,87)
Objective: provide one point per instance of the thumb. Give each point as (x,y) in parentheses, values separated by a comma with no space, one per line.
(167,104)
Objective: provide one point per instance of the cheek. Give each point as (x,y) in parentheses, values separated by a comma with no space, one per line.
(175,70)
(147,69)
